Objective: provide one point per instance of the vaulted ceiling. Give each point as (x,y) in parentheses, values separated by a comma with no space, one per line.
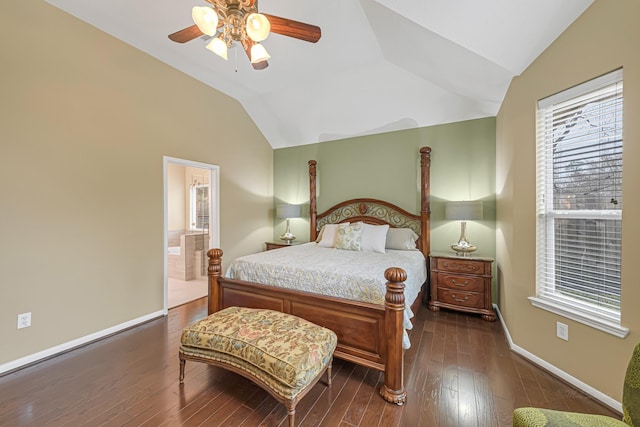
(380,65)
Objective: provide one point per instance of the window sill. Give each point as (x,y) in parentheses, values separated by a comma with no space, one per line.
(600,324)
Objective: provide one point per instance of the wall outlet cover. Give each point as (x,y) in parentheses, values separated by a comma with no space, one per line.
(562,331)
(24,320)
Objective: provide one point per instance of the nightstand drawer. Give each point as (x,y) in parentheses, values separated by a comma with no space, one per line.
(460,282)
(464,299)
(460,266)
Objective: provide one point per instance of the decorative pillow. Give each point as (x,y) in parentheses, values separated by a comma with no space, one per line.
(327,236)
(401,238)
(374,237)
(349,236)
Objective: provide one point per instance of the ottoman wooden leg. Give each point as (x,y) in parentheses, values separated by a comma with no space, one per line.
(329,371)
(182,363)
(292,417)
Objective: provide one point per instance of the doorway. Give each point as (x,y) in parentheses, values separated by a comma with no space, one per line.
(191,227)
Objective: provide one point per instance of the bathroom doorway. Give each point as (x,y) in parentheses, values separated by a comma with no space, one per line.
(191,227)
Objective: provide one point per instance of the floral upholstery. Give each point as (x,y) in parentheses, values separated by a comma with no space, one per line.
(284,351)
(536,417)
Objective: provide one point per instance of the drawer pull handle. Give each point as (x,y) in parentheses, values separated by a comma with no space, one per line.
(458,299)
(466,282)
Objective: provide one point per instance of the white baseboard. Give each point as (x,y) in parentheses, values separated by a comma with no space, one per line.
(585,388)
(53,351)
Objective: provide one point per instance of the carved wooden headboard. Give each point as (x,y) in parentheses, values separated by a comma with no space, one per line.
(374,211)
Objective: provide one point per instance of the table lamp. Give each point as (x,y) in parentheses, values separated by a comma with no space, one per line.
(287,212)
(463,211)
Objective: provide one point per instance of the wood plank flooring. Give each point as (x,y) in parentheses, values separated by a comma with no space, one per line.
(458,372)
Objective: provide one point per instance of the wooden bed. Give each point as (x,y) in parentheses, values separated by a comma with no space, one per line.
(368,334)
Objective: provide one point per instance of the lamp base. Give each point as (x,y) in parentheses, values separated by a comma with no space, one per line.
(463,248)
(287,236)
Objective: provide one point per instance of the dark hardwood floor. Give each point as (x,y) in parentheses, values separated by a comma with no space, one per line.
(458,372)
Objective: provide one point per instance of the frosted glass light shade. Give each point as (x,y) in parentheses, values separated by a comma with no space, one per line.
(258,27)
(218,47)
(258,53)
(206,19)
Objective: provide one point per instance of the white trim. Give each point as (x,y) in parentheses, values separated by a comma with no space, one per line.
(79,342)
(586,388)
(581,89)
(579,316)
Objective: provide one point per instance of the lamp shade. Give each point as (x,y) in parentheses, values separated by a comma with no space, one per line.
(463,211)
(288,211)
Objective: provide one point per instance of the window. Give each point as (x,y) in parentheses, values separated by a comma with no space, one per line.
(199,202)
(579,203)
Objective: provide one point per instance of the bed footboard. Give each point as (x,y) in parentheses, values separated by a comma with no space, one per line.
(368,334)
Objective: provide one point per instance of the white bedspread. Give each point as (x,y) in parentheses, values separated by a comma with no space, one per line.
(345,274)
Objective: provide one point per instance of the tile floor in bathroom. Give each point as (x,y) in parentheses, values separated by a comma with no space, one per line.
(181,292)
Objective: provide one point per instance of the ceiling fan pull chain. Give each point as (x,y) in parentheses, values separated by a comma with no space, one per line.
(235,59)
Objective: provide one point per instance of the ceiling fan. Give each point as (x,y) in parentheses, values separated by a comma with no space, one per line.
(230,21)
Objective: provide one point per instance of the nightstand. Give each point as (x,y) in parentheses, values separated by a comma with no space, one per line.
(278,245)
(461,283)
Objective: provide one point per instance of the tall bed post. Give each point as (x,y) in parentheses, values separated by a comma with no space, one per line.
(425,202)
(393,388)
(312,201)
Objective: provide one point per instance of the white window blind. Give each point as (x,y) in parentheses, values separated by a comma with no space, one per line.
(200,207)
(579,202)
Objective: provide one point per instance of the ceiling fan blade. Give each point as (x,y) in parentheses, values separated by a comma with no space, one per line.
(186,34)
(295,29)
(258,65)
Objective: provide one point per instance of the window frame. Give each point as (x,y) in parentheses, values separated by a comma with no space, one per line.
(602,318)
(193,207)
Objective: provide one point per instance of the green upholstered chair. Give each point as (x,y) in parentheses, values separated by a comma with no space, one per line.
(536,417)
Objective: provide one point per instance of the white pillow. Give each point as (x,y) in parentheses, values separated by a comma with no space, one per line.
(401,238)
(328,235)
(374,238)
(349,236)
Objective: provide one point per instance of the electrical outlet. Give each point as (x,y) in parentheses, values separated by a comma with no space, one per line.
(562,331)
(24,320)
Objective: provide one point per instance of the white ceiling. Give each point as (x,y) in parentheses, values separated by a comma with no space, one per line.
(380,65)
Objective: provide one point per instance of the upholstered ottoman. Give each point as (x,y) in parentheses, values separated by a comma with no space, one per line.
(282,353)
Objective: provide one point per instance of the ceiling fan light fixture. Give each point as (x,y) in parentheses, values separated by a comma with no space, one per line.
(258,53)
(219,47)
(206,19)
(257,27)
(238,23)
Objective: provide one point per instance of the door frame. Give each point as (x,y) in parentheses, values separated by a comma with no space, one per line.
(214,211)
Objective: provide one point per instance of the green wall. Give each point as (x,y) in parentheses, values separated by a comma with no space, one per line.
(386,166)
